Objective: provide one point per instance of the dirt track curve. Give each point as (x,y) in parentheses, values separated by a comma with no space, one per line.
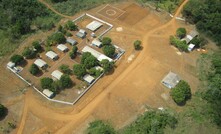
(70,120)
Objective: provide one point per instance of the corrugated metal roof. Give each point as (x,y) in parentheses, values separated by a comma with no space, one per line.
(57,74)
(48,93)
(51,55)
(88,78)
(171,80)
(62,47)
(71,41)
(94,25)
(40,63)
(96,43)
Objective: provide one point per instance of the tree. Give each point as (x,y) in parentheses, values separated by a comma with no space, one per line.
(28,53)
(88,60)
(17,59)
(181,32)
(37,46)
(107,65)
(3,111)
(181,92)
(137,45)
(106,41)
(79,70)
(34,69)
(99,127)
(65,69)
(109,50)
(181,45)
(71,26)
(56,86)
(66,81)
(46,83)
(95,72)
(56,38)
(73,53)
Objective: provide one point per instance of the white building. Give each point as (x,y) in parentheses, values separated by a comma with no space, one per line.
(62,48)
(40,63)
(81,33)
(52,55)
(96,54)
(190,47)
(71,41)
(11,64)
(171,80)
(89,79)
(56,75)
(94,25)
(48,93)
(96,43)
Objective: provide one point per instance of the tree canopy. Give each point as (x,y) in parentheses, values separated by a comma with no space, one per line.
(73,52)
(106,41)
(37,45)
(17,59)
(65,69)
(137,45)
(3,111)
(46,83)
(99,127)
(79,70)
(34,69)
(181,32)
(66,81)
(109,50)
(28,53)
(206,14)
(71,26)
(56,38)
(181,92)
(88,60)
(107,65)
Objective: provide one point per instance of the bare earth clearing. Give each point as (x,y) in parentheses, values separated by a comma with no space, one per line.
(118,97)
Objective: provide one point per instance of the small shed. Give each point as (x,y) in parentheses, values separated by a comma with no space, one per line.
(94,25)
(191,47)
(170,80)
(92,51)
(96,43)
(56,74)
(62,48)
(103,57)
(40,63)
(48,93)
(81,33)
(52,55)
(10,64)
(88,78)
(71,41)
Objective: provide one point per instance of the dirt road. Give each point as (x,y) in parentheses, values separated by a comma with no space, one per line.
(74,118)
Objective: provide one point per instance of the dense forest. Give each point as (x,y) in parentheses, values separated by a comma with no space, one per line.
(19,18)
(206,14)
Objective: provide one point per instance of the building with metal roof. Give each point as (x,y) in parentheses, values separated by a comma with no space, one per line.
(48,93)
(94,25)
(56,75)
(191,47)
(81,33)
(171,80)
(10,64)
(40,63)
(62,48)
(88,78)
(190,36)
(52,55)
(96,43)
(96,54)
(71,41)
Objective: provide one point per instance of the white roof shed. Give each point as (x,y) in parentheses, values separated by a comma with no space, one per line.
(94,25)
(11,64)
(52,55)
(89,79)
(92,51)
(62,48)
(40,63)
(57,74)
(171,80)
(48,93)
(103,57)
(190,47)
(71,41)
(96,42)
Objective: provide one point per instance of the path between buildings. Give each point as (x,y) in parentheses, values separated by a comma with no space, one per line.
(33,106)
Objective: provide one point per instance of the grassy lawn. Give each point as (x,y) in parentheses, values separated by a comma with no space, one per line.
(168,5)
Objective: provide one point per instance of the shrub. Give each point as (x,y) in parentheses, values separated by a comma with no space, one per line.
(3,111)
(109,50)
(99,127)
(181,32)
(17,59)
(71,26)
(37,46)
(46,83)
(181,45)
(137,45)
(181,92)
(73,53)
(34,69)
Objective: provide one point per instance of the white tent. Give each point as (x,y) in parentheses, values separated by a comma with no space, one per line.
(52,55)
(89,79)
(96,42)
(48,93)
(57,74)
(94,25)
(40,63)
(62,48)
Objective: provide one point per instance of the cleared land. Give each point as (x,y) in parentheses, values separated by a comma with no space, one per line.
(118,97)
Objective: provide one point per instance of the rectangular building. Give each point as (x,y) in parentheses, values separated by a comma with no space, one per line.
(94,25)
(40,63)
(52,55)
(62,48)
(57,74)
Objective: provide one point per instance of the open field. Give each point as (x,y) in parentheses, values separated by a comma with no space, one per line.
(120,96)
